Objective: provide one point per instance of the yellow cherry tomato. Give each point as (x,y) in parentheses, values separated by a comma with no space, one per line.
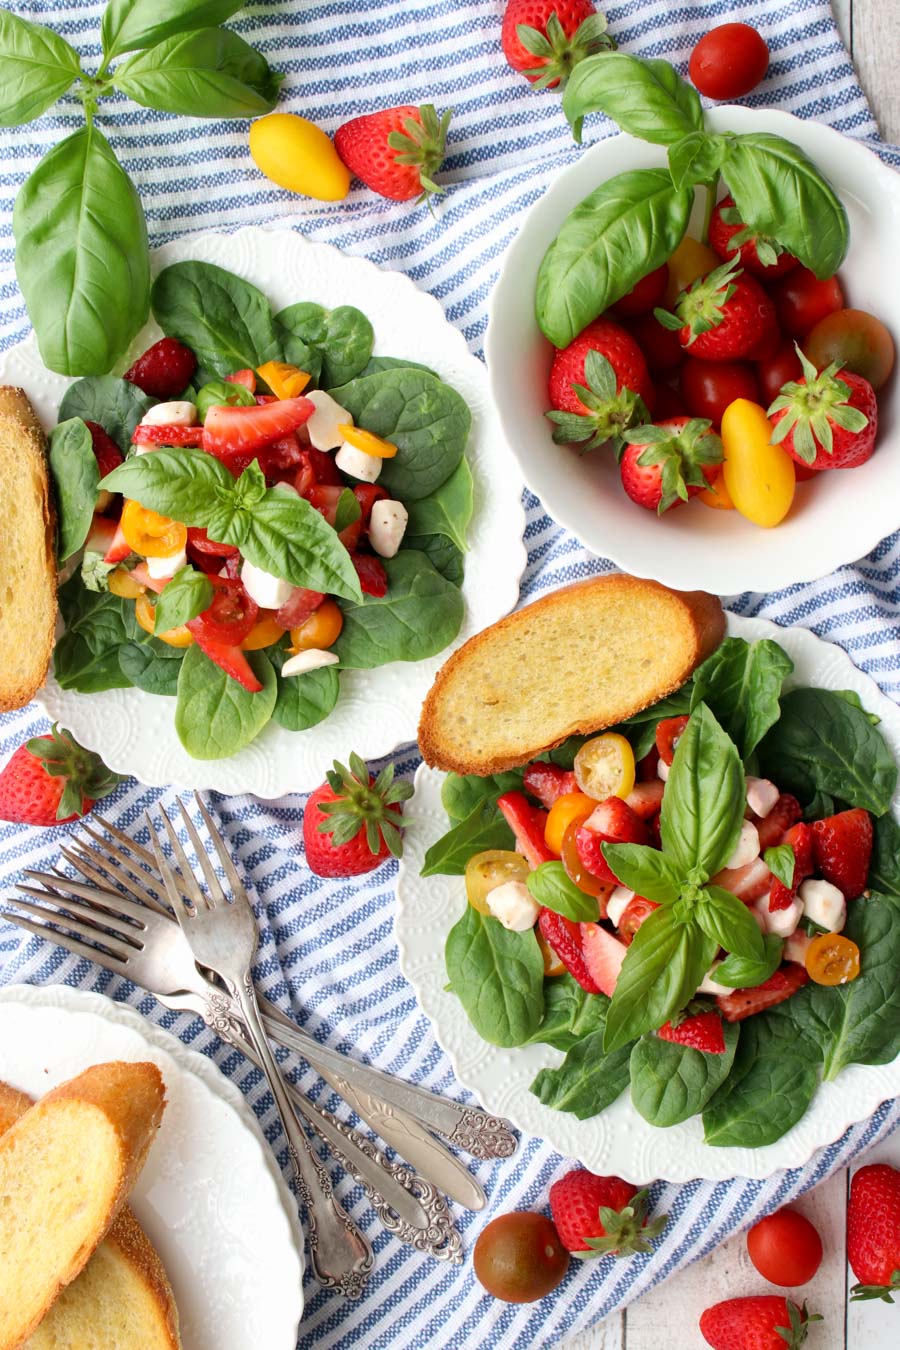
(485,871)
(759,476)
(299,156)
(690,260)
(145,613)
(285,380)
(263,633)
(367,441)
(149,534)
(552,963)
(321,629)
(571,806)
(122,583)
(832,959)
(604,767)
(716,495)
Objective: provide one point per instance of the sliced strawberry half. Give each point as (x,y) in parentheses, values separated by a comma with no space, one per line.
(167,435)
(748,883)
(702,1032)
(372,575)
(231,431)
(800,838)
(298,607)
(548,782)
(527,823)
(773,827)
(742,1003)
(603,956)
(106,452)
(612,822)
(227,657)
(565,937)
(843,850)
(645,799)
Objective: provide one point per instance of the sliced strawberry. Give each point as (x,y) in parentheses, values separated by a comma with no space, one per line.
(565,938)
(367,494)
(773,827)
(647,768)
(701,1032)
(119,548)
(603,956)
(748,883)
(634,914)
(800,838)
(298,607)
(612,822)
(548,782)
(645,799)
(165,370)
(245,377)
(229,658)
(741,1003)
(200,540)
(527,824)
(281,456)
(240,431)
(842,846)
(371,573)
(106,452)
(101,535)
(146,435)
(141,575)
(668,734)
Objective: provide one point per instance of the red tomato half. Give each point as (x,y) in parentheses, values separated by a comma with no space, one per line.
(785,1248)
(801,300)
(231,615)
(709,386)
(729,61)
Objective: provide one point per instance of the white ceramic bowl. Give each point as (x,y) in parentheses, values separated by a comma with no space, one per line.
(836,518)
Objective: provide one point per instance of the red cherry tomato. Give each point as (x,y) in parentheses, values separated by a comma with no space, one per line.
(231,615)
(709,386)
(661,348)
(669,403)
(855,339)
(729,61)
(633,915)
(201,541)
(778,370)
(785,1248)
(644,295)
(801,300)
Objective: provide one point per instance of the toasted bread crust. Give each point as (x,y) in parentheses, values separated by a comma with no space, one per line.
(682,628)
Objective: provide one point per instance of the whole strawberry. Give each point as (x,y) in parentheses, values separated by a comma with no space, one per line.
(51,780)
(873,1232)
(724,316)
(667,462)
(396,152)
(760,1322)
(165,370)
(599,386)
(827,420)
(353,822)
(602,1216)
(736,242)
(842,850)
(545,39)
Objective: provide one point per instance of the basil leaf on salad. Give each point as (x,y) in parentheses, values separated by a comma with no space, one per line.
(447,510)
(226,321)
(285,535)
(129,25)
(780,861)
(303,700)
(570,1013)
(644,870)
(339,341)
(188,594)
(729,923)
(38,68)
(97,623)
(347,511)
(645,96)
(551,887)
(498,976)
(187,484)
(383,628)
(483,828)
(152,666)
(212,72)
(741,683)
(670,1083)
(663,966)
(115,405)
(73,468)
(703,806)
(742,972)
(214,715)
(588,1080)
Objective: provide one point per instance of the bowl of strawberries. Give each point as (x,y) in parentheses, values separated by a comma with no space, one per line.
(694,331)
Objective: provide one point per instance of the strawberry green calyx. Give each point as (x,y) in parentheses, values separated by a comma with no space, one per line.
(681,453)
(559,54)
(86,776)
(768,249)
(625,1231)
(812,406)
(423,144)
(701,306)
(610,412)
(860,1292)
(795,1335)
(361,803)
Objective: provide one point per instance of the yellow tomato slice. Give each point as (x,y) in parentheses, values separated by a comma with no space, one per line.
(552,963)
(285,380)
(716,495)
(122,583)
(568,808)
(320,630)
(832,959)
(604,767)
(151,535)
(368,442)
(486,871)
(263,633)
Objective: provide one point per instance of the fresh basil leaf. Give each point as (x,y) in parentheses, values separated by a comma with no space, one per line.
(771,1084)
(215,716)
(187,484)
(81,255)
(129,25)
(225,321)
(334,345)
(285,535)
(779,192)
(884,869)
(621,231)
(461,793)
(644,870)
(741,682)
(94,572)
(73,468)
(588,1080)
(441,552)
(484,828)
(741,972)
(696,158)
(304,700)
(670,1083)
(822,742)
(551,887)
(420,615)
(97,623)
(115,405)
(703,807)
(208,73)
(348,510)
(780,861)
(188,594)
(447,510)
(570,1013)
(152,666)
(646,97)
(498,977)
(662,968)
(427,420)
(729,923)
(219,393)
(38,67)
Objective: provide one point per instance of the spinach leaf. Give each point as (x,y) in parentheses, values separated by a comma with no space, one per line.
(217,393)
(420,614)
(482,829)
(640,728)
(115,405)
(741,682)
(551,887)
(73,467)
(214,715)
(461,793)
(303,700)
(822,742)
(97,623)
(570,1013)
(661,971)
(646,97)
(498,977)
(129,25)
(447,510)
(742,972)
(152,666)
(771,1084)
(38,67)
(779,192)
(671,1083)
(188,594)
(884,869)
(208,73)
(621,231)
(378,363)
(703,807)
(588,1080)
(339,340)
(441,552)
(427,420)
(81,255)
(226,322)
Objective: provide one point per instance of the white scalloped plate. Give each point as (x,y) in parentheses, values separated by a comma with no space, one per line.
(620,1141)
(378,710)
(211,1196)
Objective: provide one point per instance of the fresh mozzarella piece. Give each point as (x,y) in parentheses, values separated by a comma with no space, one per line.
(747,847)
(824,904)
(177,414)
(310,659)
(708,984)
(387,526)
(268,591)
(322,426)
(161,569)
(796,946)
(662,770)
(783,921)
(357,463)
(617,904)
(761,796)
(515,907)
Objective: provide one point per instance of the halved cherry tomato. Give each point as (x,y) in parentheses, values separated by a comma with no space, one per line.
(604,766)
(644,295)
(320,631)
(149,534)
(569,807)
(633,915)
(778,370)
(553,964)
(690,260)
(709,386)
(231,615)
(145,613)
(264,632)
(122,583)
(576,870)
(716,495)
(667,733)
(855,339)
(200,540)
(490,869)
(367,441)
(729,61)
(802,300)
(285,380)
(832,959)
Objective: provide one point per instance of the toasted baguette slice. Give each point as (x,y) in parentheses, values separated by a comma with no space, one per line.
(122,1298)
(576,661)
(66,1168)
(27,552)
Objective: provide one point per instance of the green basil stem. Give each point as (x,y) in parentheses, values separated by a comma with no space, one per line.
(712,189)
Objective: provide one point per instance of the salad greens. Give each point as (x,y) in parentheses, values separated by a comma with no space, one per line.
(116,405)
(498,976)
(390,627)
(215,715)
(73,468)
(333,344)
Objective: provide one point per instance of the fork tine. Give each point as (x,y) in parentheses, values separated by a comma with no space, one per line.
(203,858)
(83,861)
(225,859)
(198,899)
(103,849)
(84,930)
(53,880)
(91,916)
(143,854)
(82,949)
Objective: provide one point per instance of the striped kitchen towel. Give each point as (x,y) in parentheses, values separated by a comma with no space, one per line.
(327,952)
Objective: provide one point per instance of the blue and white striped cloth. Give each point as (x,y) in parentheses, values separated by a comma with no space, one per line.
(327,950)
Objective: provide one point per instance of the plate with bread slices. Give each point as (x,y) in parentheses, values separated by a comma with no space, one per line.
(650,891)
(139,1205)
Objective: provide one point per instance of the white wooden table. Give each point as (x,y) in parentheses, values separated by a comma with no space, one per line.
(667,1318)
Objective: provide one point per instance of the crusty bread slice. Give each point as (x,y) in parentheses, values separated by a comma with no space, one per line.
(581,659)
(66,1168)
(27,552)
(121,1300)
